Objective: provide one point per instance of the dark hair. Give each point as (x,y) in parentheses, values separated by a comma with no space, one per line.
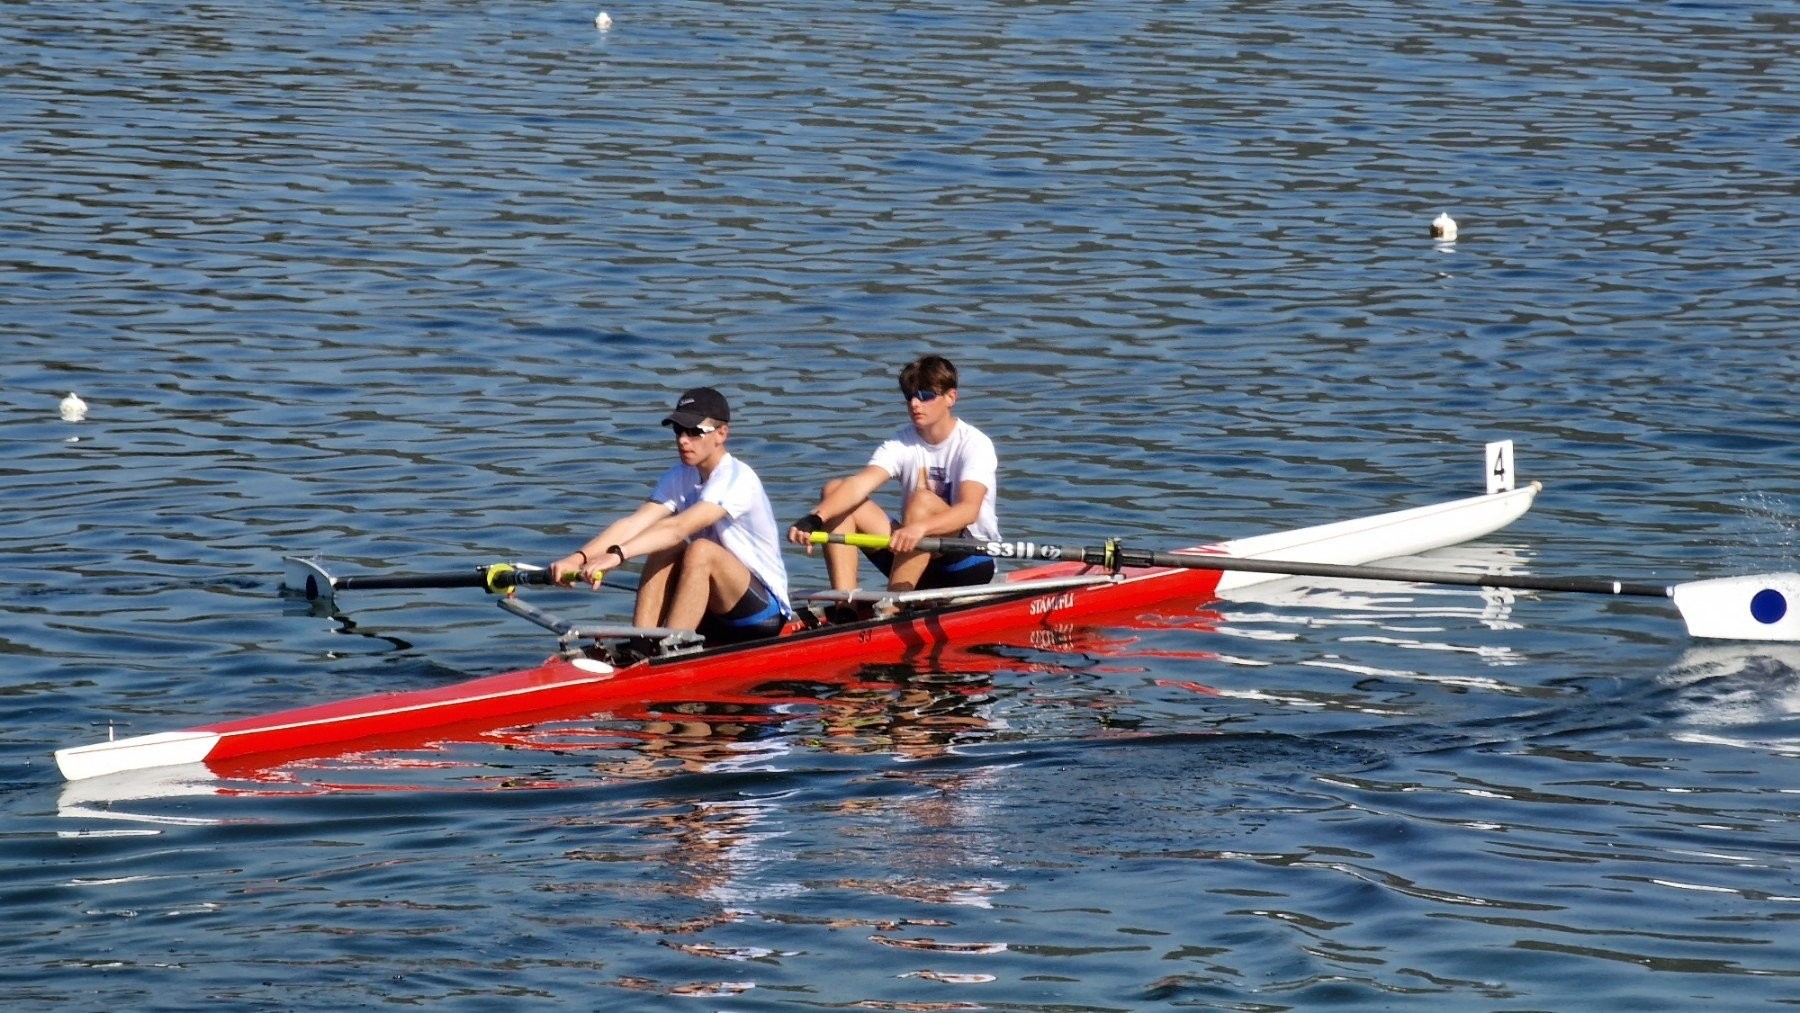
(933,372)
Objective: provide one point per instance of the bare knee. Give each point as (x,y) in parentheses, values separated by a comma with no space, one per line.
(923,505)
(701,555)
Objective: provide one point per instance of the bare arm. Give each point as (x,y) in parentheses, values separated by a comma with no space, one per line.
(673,529)
(846,496)
(960,515)
(587,558)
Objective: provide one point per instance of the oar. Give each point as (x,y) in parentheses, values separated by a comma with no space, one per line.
(1750,607)
(308,576)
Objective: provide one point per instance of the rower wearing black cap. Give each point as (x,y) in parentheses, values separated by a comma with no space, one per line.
(707,536)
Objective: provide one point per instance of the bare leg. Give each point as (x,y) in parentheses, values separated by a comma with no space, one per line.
(655,583)
(712,579)
(841,560)
(909,567)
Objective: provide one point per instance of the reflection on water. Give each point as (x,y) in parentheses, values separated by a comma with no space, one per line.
(1744,695)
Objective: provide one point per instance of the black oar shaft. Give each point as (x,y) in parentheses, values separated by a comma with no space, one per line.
(474,577)
(1114,557)
(470,578)
(308,576)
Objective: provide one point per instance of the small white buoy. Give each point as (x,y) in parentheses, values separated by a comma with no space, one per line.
(1443,227)
(73,409)
(603,21)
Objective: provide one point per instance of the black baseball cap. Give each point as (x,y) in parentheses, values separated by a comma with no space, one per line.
(698,405)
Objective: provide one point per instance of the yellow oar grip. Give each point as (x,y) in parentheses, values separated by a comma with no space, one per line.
(858,541)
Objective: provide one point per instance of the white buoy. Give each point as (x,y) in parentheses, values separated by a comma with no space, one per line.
(73,409)
(603,21)
(1443,227)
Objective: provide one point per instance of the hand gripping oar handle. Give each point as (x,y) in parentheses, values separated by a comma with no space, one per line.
(1763,606)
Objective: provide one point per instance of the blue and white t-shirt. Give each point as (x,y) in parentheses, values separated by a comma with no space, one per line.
(966,455)
(747,530)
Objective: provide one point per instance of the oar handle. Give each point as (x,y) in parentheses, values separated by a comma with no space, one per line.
(1096,556)
(858,541)
(954,546)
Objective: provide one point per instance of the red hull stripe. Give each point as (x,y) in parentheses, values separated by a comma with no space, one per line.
(558,685)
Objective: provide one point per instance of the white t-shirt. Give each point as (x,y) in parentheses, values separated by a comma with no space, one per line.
(747,530)
(966,455)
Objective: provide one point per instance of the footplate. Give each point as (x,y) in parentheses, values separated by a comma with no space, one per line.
(638,641)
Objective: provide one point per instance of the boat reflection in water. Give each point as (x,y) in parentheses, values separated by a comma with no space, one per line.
(105,798)
(867,709)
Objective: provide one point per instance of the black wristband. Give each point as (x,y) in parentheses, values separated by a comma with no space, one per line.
(618,552)
(810,523)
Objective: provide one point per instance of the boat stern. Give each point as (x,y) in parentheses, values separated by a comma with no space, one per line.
(161,749)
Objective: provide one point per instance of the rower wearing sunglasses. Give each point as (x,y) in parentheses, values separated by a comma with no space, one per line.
(710,547)
(948,473)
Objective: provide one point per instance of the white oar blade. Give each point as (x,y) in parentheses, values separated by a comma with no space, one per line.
(306,575)
(1759,607)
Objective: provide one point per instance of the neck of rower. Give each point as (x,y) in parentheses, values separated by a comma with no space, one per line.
(938,431)
(707,464)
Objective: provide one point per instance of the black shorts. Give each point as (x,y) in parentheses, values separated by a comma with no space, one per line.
(942,571)
(756,616)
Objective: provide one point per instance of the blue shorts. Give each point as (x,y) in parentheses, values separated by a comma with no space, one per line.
(756,616)
(942,571)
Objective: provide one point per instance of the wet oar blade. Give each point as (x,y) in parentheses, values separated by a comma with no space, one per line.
(1756,607)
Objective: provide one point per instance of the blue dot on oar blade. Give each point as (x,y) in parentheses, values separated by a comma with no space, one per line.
(1768,606)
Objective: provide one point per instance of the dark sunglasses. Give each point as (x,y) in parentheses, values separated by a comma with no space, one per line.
(693,432)
(925,396)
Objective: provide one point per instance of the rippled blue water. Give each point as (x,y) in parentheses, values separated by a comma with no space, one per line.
(411,286)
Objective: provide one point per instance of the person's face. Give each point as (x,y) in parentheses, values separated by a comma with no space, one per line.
(928,407)
(698,443)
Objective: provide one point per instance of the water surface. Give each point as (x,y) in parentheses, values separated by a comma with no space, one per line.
(411,288)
